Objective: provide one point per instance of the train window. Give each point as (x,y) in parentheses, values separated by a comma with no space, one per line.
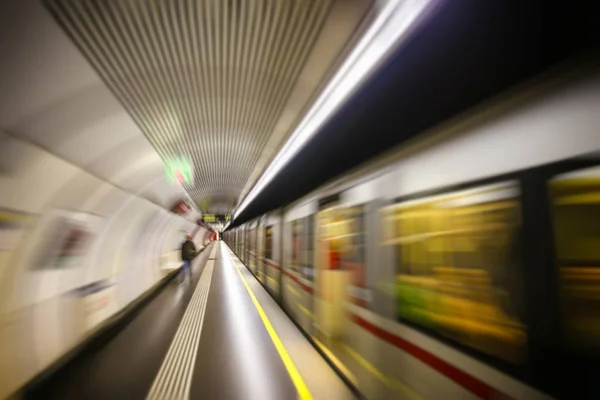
(576,215)
(269,242)
(352,251)
(297,242)
(309,248)
(457,268)
(302,246)
(252,248)
(246,246)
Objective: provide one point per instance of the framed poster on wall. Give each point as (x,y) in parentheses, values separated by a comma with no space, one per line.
(64,239)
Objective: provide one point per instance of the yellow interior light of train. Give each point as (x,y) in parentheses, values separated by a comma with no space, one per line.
(586,198)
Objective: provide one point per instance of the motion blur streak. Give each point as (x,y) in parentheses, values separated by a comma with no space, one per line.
(174,378)
(385,34)
(303,391)
(576,211)
(435,270)
(407,191)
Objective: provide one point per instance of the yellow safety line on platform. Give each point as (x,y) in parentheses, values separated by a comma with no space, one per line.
(303,392)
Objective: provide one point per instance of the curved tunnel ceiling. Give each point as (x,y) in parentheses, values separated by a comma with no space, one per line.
(221,83)
(51,98)
(469,55)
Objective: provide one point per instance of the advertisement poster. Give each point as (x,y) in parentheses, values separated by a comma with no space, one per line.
(96,302)
(66,238)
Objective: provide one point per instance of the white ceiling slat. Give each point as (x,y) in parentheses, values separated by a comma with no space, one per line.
(205,79)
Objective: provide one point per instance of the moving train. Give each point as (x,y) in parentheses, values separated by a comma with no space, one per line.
(462,265)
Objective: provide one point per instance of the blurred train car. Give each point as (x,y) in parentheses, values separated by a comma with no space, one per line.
(465,265)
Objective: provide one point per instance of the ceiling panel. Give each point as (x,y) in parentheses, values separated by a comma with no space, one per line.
(51,96)
(211,81)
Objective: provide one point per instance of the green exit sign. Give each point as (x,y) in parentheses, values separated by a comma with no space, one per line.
(179,170)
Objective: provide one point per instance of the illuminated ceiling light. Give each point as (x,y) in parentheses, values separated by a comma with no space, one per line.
(381,39)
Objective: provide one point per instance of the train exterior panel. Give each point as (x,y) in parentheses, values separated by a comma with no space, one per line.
(298,266)
(272,260)
(461,266)
(252,246)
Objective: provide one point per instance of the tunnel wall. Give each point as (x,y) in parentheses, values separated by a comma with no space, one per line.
(52,299)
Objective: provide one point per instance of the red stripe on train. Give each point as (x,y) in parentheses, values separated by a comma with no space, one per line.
(292,277)
(270,264)
(302,285)
(469,382)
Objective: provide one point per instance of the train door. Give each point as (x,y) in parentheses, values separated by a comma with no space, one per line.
(267,260)
(256,249)
(260,251)
(298,270)
(242,254)
(234,241)
(340,264)
(273,256)
(248,245)
(244,244)
(253,248)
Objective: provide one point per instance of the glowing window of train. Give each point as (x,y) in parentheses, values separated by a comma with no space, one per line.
(576,219)
(252,247)
(269,242)
(457,266)
(308,249)
(301,246)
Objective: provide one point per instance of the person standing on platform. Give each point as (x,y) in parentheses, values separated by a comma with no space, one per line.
(188,252)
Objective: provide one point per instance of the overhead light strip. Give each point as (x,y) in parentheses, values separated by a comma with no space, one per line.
(388,30)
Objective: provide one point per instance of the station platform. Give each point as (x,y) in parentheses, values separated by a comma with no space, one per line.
(218,336)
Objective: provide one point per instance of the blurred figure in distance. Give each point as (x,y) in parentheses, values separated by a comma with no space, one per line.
(188,252)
